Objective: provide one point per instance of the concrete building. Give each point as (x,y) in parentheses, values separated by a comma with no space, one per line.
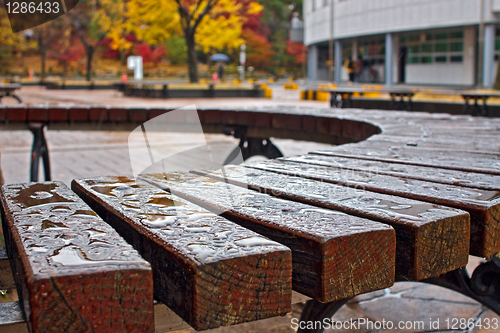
(428,42)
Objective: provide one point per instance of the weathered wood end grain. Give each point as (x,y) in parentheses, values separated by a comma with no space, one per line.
(335,255)
(73,272)
(431,239)
(210,271)
(482,205)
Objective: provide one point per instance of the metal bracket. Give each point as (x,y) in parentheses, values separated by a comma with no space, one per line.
(401,101)
(39,150)
(250,146)
(315,311)
(483,286)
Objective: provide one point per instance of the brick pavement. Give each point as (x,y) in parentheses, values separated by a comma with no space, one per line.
(78,154)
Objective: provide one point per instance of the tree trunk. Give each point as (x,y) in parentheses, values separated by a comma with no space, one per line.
(65,69)
(192,59)
(43,54)
(123,57)
(90,52)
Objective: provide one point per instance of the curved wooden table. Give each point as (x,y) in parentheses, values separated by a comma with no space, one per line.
(432,178)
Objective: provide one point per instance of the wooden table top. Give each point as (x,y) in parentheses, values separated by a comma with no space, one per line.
(410,195)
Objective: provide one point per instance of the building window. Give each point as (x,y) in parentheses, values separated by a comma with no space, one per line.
(435,47)
(497,44)
(313,5)
(372,49)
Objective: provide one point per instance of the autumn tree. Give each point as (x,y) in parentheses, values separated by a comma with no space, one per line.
(67,50)
(93,21)
(277,15)
(210,25)
(12,43)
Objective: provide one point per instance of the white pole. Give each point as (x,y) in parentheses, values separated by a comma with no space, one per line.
(243,58)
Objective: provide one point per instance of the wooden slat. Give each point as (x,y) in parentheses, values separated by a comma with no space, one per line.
(436,175)
(462,161)
(479,142)
(482,205)
(431,239)
(335,255)
(210,271)
(11,318)
(6,278)
(70,265)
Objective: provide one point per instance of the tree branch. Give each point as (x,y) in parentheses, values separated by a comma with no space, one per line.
(210,4)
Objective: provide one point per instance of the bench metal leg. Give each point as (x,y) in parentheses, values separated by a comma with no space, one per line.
(249,146)
(16,98)
(483,286)
(336,100)
(484,109)
(39,150)
(10,95)
(315,311)
(333,100)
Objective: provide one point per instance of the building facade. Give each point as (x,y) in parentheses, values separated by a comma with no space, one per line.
(427,42)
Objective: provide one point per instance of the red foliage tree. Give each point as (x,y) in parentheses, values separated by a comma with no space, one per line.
(297,50)
(148,54)
(260,53)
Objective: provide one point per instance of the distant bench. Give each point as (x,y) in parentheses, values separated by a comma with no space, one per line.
(408,204)
(7,90)
(401,99)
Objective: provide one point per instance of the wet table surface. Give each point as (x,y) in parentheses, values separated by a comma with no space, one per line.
(408,201)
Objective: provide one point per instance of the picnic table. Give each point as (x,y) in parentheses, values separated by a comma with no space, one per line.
(407,198)
(401,99)
(7,90)
(476,102)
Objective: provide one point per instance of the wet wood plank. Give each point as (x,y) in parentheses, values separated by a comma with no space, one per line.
(437,175)
(69,265)
(335,255)
(482,205)
(431,239)
(462,161)
(210,271)
(6,277)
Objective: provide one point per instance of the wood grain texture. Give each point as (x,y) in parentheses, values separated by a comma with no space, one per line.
(456,160)
(482,205)
(74,273)
(436,175)
(335,255)
(210,271)
(431,239)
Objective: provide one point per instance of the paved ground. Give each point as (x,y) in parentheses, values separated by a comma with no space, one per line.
(76,154)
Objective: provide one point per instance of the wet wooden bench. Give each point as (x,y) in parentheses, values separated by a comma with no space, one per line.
(243,243)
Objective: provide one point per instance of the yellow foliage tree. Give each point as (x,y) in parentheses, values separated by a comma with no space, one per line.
(211,24)
(111,17)
(13,42)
